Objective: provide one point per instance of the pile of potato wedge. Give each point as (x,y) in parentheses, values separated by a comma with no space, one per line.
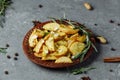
(56,42)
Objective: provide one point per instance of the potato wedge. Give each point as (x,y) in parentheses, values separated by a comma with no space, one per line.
(33,37)
(47,36)
(38,54)
(45,51)
(74,36)
(81,38)
(49,57)
(63,60)
(39,32)
(61,51)
(38,46)
(68,30)
(76,47)
(51,26)
(50,43)
(62,42)
(70,42)
(33,40)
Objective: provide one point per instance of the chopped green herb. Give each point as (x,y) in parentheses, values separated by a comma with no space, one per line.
(82,70)
(4,5)
(3,50)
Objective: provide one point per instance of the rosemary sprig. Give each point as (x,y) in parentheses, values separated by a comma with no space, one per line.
(4,5)
(82,70)
(3,50)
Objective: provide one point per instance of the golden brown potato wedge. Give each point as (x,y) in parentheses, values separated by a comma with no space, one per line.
(70,42)
(38,54)
(50,43)
(38,46)
(51,26)
(33,40)
(68,30)
(76,47)
(63,60)
(74,36)
(33,37)
(39,32)
(45,51)
(61,51)
(62,42)
(49,57)
(81,38)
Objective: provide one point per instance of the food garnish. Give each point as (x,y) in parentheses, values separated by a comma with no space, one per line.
(82,70)
(3,50)
(4,5)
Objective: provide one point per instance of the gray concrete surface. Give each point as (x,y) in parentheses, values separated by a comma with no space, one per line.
(19,19)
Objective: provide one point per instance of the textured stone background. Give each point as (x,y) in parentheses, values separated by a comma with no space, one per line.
(19,19)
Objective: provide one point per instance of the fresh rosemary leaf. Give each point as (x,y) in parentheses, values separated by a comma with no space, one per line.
(82,70)
(94,47)
(4,5)
(3,50)
(86,50)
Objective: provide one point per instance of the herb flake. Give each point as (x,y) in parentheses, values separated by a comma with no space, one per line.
(82,70)
(3,50)
(4,5)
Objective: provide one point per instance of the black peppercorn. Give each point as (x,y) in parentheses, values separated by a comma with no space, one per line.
(111,21)
(40,6)
(95,24)
(15,58)
(7,45)
(6,72)
(8,56)
(113,49)
(118,24)
(111,70)
(16,54)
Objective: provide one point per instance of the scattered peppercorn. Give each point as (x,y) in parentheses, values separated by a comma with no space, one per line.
(16,54)
(118,24)
(15,58)
(85,78)
(111,70)
(113,49)
(40,6)
(8,56)
(111,21)
(6,72)
(7,45)
(95,24)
